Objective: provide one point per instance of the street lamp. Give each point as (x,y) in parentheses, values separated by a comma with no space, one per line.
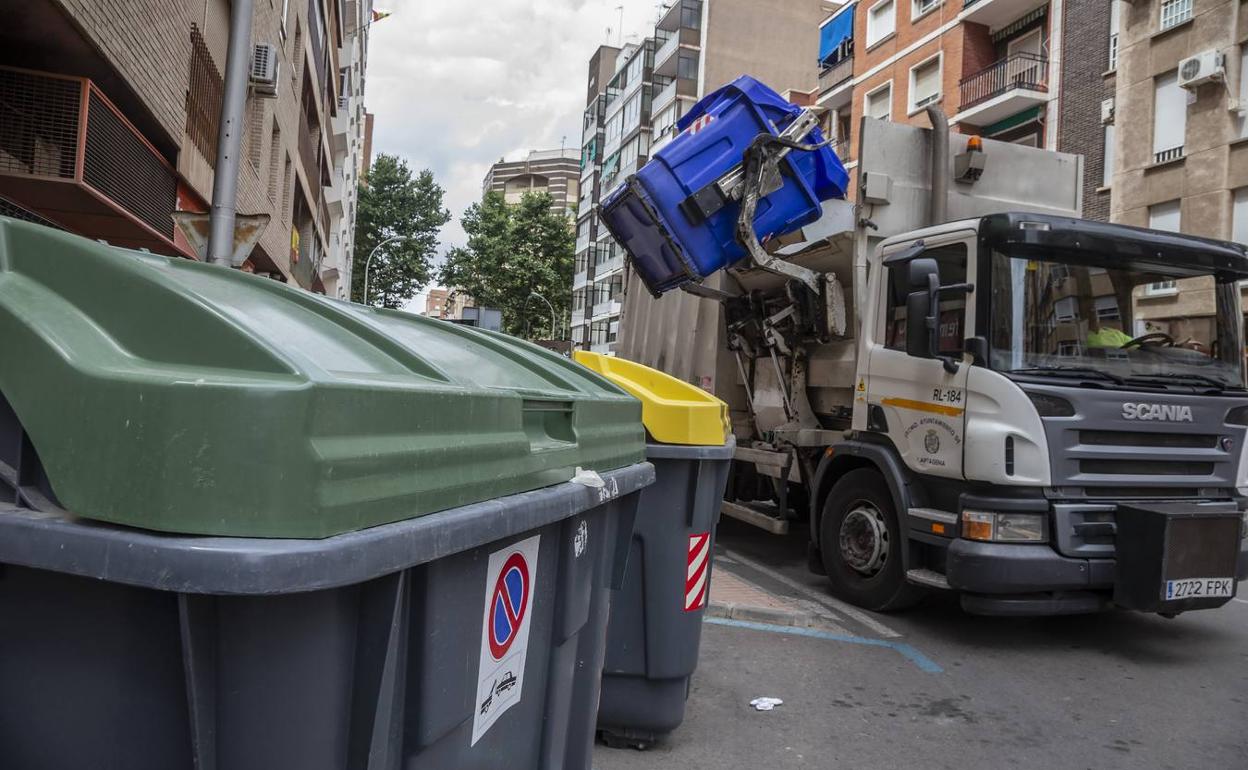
(368,262)
(533,294)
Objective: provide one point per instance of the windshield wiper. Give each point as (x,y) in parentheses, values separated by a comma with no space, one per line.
(1201,378)
(1074,370)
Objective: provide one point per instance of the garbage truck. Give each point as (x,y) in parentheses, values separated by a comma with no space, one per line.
(950,382)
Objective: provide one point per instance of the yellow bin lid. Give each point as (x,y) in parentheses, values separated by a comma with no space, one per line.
(674,412)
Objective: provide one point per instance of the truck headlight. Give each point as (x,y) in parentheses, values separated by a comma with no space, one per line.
(1003,527)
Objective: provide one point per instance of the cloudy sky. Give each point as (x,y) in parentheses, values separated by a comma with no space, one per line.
(455,84)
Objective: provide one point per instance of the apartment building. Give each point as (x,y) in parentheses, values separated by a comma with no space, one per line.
(1180,135)
(636,95)
(447,304)
(351,141)
(995,67)
(109,114)
(557,172)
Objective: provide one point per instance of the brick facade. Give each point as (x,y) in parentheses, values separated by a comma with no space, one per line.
(148,43)
(1084,85)
(139,53)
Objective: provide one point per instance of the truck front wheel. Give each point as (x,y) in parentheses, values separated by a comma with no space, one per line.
(862,544)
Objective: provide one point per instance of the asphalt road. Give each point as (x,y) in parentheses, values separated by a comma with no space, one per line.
(936,688)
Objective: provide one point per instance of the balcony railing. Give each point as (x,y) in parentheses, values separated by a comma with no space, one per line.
(677,87)
(64,143)
(1167,155)
(835,75)
(1020,71)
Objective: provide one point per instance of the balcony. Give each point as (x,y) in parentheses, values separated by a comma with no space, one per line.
(685,87)
(665,56)
(995,14)
(609,265)
(580,279)
(604,309)
(835,84)
(671,66)
(69,155)
(1009,86)
(681,13)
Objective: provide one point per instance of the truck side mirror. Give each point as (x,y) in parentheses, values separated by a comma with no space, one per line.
(921,305)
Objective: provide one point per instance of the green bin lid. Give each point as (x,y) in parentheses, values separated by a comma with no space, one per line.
(183,397)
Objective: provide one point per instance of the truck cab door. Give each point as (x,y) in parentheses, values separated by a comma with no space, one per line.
(916,402)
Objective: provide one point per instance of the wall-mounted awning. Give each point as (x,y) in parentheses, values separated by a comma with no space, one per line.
(836,36)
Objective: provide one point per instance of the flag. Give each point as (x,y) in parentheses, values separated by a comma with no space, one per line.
(379,15)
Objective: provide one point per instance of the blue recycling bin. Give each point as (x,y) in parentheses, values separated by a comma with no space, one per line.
(672,243)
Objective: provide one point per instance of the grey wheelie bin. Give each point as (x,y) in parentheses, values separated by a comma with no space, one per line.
(243,526)
(656,618)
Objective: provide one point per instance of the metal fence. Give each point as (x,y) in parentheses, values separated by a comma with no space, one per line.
(203,98)
(1020,71)
(40,116)
(122,166)
(55,126)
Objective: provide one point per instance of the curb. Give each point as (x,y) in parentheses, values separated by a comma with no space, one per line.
(759,614)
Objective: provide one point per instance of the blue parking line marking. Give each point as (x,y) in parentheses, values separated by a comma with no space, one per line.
(914,656)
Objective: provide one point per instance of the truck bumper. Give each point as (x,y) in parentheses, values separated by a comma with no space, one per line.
(1010,579)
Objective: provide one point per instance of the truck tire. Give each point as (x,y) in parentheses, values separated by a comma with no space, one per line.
(861,542)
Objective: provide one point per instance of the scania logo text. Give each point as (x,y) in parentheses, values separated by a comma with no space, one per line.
(1157,412)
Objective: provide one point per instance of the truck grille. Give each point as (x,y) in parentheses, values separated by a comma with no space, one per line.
(1159,440)
(1096,449)
(1151,467)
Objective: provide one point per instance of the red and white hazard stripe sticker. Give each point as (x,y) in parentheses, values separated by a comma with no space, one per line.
(697,572)
(700,124)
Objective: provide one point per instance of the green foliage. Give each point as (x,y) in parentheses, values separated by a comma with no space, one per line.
(396,203)
(512,252)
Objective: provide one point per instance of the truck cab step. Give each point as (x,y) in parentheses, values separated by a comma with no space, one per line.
(928,578)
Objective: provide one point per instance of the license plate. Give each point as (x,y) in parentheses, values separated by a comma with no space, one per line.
(1199,588)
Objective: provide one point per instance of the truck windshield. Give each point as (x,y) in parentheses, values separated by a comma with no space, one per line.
(1157,326)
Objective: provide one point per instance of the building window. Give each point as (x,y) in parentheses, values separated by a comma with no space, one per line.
(288,182)
(881,21)
(925,83)
(1113,35)
(1169,117)
(879,103)
(1239,216)
(1107,174)
(666,120)
(1107,308)
(1175,12)
(1165,216)
(615,125)
(921,8)
(254,136)
(687,66)
(275,157)
(1065,310)
(632,110)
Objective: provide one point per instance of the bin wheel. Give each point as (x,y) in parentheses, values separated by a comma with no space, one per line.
(861,543)
(624,740)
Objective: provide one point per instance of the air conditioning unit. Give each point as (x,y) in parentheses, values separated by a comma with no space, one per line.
(1202,68)
(1107,110)
(264,69)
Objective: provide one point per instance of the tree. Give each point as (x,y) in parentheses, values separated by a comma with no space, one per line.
(394,203)
(512,252)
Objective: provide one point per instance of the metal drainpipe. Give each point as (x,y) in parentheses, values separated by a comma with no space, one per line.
(230,135)
(938,211)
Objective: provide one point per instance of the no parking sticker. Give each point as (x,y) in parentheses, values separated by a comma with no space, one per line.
(510,579)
